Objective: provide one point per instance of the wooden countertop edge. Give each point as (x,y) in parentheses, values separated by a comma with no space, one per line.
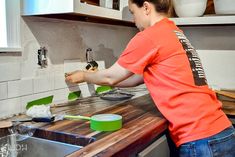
(228,107)
(131,142)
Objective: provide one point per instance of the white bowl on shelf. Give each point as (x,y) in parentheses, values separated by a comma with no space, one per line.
(224,6)
(189,8)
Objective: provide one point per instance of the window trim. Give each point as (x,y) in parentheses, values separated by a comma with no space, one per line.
(3,26)
(13,27)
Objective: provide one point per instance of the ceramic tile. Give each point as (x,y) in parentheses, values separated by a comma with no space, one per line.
(43,84)
(20,88)
(10,107)
(84,90)
(73,65)
(10,71)
(219,67)
(3,90)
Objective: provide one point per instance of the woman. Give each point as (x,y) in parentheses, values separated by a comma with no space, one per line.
(162,57)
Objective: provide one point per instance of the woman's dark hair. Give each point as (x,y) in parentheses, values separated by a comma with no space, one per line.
(161,6)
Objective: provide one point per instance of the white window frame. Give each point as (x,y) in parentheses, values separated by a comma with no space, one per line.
(12,27)
(3,35)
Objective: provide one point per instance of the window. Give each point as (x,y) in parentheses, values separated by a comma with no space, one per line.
(10,25)
(3,31)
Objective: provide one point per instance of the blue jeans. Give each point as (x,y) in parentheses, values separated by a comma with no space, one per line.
(219,145)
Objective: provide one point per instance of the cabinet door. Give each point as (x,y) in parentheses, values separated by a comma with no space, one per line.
(159,148)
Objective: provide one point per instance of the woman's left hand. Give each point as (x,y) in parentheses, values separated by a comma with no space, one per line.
(75,77)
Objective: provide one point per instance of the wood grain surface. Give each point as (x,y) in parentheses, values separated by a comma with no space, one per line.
(228,108)
(142,123)
(210,9)
(230,94)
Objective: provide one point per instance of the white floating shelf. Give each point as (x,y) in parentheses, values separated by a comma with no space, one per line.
(205,20)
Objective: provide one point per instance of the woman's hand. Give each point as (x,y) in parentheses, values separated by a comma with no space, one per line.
(75,77)
(109,77)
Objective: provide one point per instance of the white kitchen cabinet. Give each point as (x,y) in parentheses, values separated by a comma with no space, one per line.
(77,10)
(158,148)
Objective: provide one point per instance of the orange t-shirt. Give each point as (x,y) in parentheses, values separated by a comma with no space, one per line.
(174,76)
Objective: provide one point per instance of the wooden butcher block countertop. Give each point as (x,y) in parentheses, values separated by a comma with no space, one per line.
(142,123)
(228,101)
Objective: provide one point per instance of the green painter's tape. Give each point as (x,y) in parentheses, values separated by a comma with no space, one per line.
(106,122)
(102,89)
(74,95)
(41,101)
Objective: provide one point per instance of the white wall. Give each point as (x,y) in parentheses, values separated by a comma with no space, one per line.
(216,48)
(22,80)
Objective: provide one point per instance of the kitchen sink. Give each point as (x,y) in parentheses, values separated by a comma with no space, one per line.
(11,146)
(42,143)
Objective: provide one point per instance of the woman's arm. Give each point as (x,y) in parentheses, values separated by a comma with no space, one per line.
(132,81)
(111,76)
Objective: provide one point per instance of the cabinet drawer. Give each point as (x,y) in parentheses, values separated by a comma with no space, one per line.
(159,148)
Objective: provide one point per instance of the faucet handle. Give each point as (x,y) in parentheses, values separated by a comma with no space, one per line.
(92,65)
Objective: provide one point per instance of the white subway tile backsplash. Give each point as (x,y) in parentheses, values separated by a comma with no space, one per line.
(10,71)
(3,90)
(73,89)
(219,67)
(20,88)
(60,81)
(60,96)
(101,65)
(10,107)
(84,90)
(13,89)
(43,84)
(58,69)
(26,86)
(73,65)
